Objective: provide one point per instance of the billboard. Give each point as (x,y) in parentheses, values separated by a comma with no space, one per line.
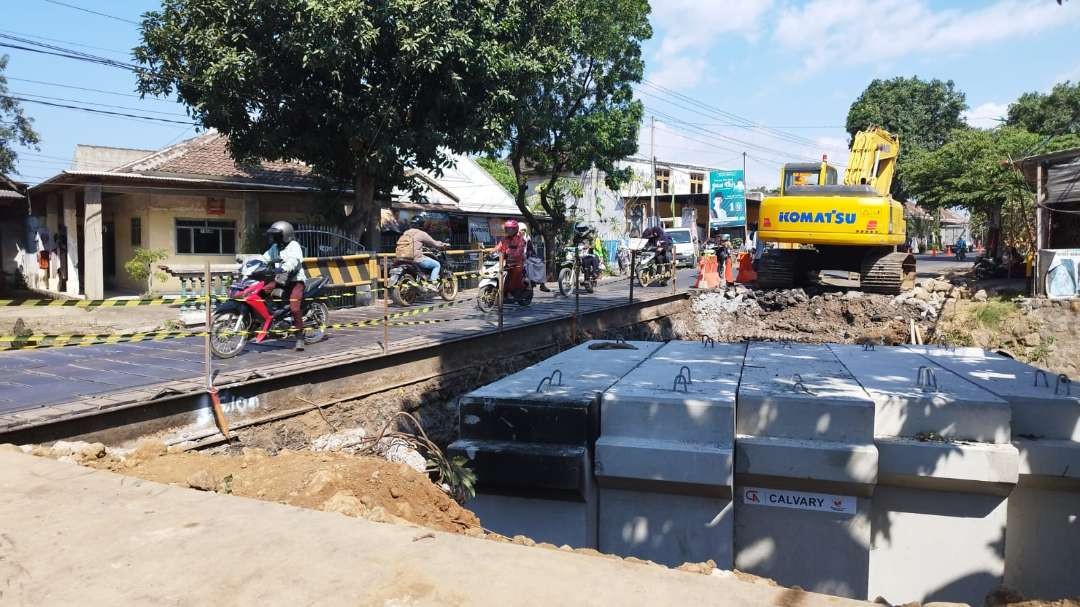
(727,199)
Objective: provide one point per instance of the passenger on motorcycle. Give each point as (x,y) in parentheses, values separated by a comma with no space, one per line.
(515,249)
(287,256)
(410,247)
(659,241)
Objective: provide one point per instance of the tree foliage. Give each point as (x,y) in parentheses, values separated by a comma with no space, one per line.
(570,66)
(922,113)
(971,171)
(499,171)
(1052,114)
(15,127)
(360,91)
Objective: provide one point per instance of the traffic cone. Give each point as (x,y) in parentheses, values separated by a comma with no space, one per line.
(746,273)
(728,277)
(708,276)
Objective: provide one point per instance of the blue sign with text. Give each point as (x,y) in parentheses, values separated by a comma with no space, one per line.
(727,199)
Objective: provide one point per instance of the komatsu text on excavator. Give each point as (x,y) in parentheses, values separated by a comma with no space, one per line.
(824,225)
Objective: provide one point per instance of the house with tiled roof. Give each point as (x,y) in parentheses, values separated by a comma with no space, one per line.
(13,211)
(195,203)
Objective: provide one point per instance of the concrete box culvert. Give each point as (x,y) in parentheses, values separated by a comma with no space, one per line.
(530,438)
(664,456)
(801,391)
(1042,551)
(805,468)
(945,467)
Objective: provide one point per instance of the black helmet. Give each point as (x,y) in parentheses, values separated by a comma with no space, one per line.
(418,220)
(280,232)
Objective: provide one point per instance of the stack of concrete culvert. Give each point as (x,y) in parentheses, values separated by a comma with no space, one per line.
(863,472)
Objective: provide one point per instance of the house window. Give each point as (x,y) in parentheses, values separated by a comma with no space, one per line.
(136,231)
(663,180)
(697,183)
(205,237)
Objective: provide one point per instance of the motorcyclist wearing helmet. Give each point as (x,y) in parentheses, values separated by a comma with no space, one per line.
(410,247)
(287,256)
(658,240)
(515,249)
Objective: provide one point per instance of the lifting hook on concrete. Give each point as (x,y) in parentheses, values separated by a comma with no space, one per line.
(541,384)
(550,379)
(931,379)
(707,342)
(1038,372)
(687,369)
(799,386)
(1063,380)
(680,379)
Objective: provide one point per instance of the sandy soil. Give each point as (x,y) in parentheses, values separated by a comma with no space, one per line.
(365,487)
(67,320)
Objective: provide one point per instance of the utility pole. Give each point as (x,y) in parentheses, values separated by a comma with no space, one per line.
(652,153)
(744,170)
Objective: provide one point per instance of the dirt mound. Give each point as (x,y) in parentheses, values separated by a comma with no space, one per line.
(364,487)
(814,314)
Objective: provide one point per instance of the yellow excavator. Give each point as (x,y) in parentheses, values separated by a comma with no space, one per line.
(855,226)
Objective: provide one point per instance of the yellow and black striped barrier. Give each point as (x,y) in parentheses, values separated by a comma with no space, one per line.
(40,341)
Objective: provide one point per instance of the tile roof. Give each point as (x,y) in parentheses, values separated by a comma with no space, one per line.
(206,156)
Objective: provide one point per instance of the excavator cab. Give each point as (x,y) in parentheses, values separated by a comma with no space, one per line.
(798,174)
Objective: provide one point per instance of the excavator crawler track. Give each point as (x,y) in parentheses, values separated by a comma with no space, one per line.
(888,273)
(776,270)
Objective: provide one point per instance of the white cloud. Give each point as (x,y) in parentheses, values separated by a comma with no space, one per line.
(687,30)
(861,32)
(987,115)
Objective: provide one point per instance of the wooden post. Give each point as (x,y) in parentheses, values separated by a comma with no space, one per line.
(577,295)
(501,286)
(1040,229)
(215,402)
(633,258)
(674,273)
(385,284)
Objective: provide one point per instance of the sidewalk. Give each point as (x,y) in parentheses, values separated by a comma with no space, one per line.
(72,535)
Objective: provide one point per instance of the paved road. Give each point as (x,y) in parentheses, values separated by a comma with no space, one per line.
(927,266)
(106,374)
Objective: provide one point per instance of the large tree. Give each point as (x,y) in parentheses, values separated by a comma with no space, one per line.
(1052,114)
(358,90)
(971,171)
(922,113)
(15,127)
(570,66)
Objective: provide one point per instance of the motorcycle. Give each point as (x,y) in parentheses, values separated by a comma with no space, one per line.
(649,271)
(588,277)
(487,298)
(248,311)
(407,282)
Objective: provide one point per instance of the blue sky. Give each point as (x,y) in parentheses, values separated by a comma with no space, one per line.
(773,78)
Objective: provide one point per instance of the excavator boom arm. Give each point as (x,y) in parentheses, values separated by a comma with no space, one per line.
(872,160)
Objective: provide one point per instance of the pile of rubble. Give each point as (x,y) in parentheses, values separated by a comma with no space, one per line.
(817,313)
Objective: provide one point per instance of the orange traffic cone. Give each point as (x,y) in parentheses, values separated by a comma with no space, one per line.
(728,277)
(708,276)
(746,273)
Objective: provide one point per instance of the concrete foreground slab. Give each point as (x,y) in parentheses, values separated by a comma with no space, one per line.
(75,536)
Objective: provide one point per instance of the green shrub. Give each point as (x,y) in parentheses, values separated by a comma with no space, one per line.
(141,267)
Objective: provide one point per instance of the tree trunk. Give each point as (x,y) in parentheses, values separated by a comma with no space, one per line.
(368,214)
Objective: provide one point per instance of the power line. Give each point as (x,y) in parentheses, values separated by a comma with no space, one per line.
(106,112)
(710,133)
(741,120)
(92,12)
(68,42)
(90,90)
(60,51)
(115,107)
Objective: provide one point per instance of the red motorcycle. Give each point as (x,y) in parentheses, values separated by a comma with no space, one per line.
(250,312)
